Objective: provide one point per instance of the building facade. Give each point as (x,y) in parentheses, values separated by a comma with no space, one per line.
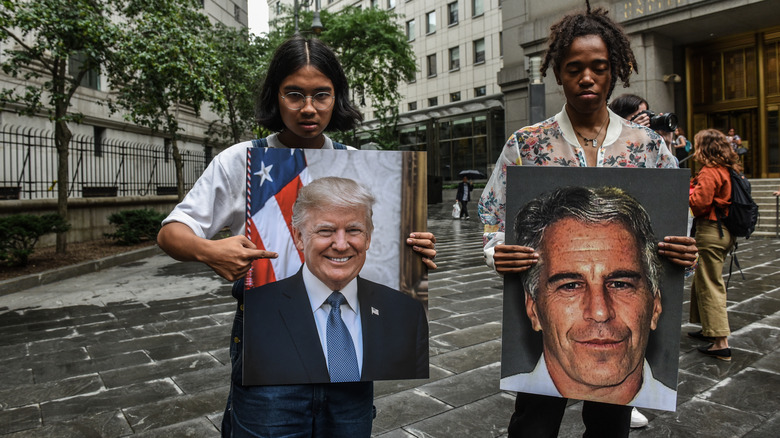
(713,63)
(29,163)
(454,108)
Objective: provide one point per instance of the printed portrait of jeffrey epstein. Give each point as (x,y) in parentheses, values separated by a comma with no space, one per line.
(594,296)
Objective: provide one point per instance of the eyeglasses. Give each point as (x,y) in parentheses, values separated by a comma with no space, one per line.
(296,101)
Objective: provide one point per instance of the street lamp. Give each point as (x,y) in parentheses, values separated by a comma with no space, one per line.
(316,25)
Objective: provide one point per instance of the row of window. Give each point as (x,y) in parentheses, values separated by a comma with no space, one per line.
(477,9)
(454,97)
(453,61)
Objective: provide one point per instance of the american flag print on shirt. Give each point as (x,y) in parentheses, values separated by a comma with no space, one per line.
(274,177)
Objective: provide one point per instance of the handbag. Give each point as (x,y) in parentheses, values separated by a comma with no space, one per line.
(456,210)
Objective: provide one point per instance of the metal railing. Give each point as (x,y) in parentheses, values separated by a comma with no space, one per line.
(108,168)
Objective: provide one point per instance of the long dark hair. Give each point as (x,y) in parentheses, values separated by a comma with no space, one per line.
(627,104)
(292,55)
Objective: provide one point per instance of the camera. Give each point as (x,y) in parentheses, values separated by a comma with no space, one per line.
(664,122)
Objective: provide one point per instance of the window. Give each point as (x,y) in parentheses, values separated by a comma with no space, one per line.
(412,106)
(410,30)
(278,8)
(501,44)
(430,22)
(236,12)
(454,58)
(454,97)
(431,65)
(390,4)
(480,91)
(452,13)
(99,134)
(477,8)
(479,51)
(374,3)
(433,101)
(91,78)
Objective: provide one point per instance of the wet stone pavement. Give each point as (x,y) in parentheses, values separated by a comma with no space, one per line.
(141,349)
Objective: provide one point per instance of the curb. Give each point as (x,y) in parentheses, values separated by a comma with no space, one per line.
(46,277)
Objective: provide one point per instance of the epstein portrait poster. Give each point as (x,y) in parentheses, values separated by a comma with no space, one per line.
(346,299)
(598,317)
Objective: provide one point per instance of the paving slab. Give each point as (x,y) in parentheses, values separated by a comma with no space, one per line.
(171,411)
(141,349)
(470,420)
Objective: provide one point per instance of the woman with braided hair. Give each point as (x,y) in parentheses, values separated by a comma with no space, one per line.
(588,53)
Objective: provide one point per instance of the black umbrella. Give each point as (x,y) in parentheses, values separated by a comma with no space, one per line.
(471,173)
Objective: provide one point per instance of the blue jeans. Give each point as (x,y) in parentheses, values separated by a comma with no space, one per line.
(293,411)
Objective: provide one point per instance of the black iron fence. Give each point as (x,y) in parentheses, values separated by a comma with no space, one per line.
(97,168)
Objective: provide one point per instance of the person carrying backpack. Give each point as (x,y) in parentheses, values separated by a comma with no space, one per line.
(709,200)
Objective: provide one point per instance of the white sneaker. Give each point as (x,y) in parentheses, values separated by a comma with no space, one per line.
(637,419)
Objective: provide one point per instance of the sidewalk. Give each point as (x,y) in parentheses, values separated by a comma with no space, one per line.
(141,350)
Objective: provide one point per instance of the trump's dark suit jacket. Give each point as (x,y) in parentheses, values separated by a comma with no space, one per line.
(281,344)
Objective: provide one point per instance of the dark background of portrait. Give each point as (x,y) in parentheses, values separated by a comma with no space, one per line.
(663,193)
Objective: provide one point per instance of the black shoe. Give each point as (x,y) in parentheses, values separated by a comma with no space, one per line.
(722,354)
(698,335)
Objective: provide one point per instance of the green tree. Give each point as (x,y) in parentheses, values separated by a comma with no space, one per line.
(164,67)
(243,61)
(374,52)
(376,56)
(53,46)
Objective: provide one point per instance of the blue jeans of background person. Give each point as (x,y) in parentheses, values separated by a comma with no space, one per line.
(539,416)
(293,411)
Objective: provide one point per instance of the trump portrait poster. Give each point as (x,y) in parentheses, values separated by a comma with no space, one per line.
(345,300)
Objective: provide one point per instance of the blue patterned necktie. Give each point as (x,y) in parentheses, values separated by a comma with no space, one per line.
(342,360)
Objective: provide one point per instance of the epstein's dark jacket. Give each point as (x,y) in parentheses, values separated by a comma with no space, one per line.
(281,344)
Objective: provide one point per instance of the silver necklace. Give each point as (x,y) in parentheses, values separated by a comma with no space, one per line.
(593,141)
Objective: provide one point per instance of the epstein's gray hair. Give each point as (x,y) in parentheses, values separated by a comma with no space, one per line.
(602,205)
(332,192)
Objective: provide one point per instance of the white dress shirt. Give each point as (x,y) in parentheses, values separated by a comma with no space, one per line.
(653,394)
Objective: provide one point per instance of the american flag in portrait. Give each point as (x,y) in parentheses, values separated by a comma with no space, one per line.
(274,177)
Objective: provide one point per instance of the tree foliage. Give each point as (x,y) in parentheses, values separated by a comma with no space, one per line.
(373,50)
(243,61)
(52,47)
(164,67)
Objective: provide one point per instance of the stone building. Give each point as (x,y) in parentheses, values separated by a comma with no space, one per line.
(454,108)
(713,63)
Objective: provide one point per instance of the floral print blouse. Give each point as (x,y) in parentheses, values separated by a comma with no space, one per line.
(553,142)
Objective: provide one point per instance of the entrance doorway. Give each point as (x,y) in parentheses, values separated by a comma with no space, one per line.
(745,124)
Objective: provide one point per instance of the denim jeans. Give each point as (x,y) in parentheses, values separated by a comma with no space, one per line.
(293,411)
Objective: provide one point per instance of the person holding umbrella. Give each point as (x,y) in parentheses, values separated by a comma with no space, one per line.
(464,195)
